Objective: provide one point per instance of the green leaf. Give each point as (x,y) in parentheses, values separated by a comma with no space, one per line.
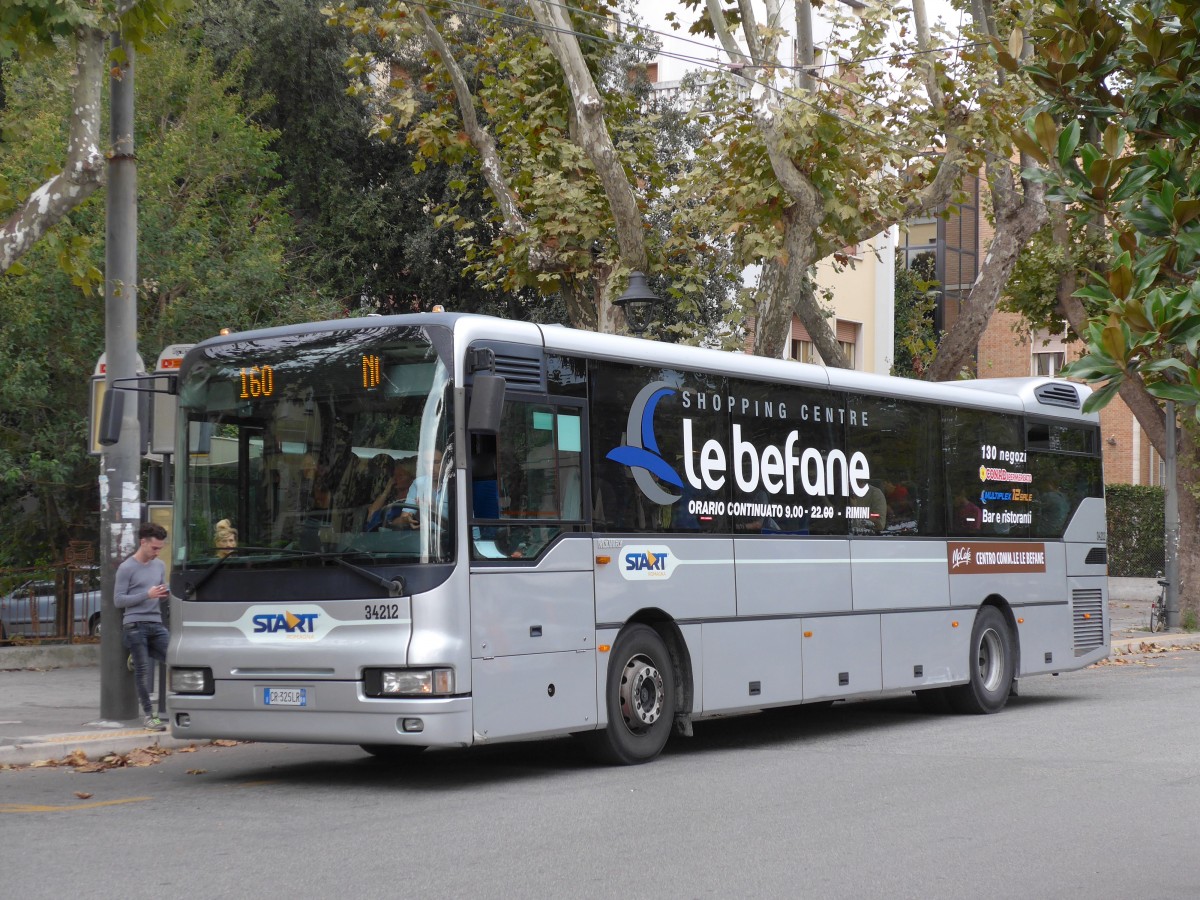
(1099,399)
(1028,145)
(1112,340)
(1180,393)
(1067,142)
(1185,211)
(1045,131)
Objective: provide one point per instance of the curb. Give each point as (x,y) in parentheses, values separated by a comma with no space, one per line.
(49,656)
(95,745)
(1152,643)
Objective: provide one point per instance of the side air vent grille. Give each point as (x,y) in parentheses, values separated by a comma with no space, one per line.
(1087,609)
(1058,395)
(1097,556)
(521,372)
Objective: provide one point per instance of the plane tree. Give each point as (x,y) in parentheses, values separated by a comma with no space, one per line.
(32,28)
(542,101)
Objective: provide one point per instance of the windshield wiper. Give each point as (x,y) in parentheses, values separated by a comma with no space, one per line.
(394,586)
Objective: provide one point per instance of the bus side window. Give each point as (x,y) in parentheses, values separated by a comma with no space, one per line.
(526,481)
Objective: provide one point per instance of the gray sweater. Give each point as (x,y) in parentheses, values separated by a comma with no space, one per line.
(134,580)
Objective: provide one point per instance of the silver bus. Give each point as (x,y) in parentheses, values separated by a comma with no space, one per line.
(453,530)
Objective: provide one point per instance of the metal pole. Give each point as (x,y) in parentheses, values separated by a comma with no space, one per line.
(120,486)
(1171,510)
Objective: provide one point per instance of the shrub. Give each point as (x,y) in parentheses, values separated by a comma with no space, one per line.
(1135,530)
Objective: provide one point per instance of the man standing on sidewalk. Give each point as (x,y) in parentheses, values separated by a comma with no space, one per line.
(141,585)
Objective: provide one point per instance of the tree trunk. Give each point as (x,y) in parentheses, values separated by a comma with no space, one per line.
(84,170)
(594,138)
(1152,419)
(784,289)
(1187,475)
(1018,217)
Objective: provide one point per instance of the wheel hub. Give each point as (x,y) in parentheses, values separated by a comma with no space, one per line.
(642,694)
(991,660)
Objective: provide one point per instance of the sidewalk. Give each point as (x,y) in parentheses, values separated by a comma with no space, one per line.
(46,713)
(50,696)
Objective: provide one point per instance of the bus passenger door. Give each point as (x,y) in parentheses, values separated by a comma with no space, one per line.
(533,622)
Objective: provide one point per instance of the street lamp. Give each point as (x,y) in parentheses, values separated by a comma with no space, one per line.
(637,303)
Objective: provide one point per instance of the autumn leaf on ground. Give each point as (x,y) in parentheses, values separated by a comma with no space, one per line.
(83,795)
(197,771)
(140,758)
(224,743)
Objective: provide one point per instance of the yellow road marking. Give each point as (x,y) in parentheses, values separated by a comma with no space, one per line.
(32,808)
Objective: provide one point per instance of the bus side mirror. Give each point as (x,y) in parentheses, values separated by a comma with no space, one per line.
(487,404)
(112,410)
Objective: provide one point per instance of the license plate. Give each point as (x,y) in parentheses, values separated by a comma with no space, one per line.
(285,696)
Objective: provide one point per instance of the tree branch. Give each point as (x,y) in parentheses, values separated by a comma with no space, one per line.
(728,43)
(1016,223)
(593,132)
(928,67)
(1133,391)
(480,138)
(84,168)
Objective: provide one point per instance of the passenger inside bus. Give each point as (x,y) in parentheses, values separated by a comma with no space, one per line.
(224,538)
(391,504)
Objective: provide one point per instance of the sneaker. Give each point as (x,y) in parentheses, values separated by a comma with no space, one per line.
(154,723)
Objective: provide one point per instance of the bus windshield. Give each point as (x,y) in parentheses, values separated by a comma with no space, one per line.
(326,444)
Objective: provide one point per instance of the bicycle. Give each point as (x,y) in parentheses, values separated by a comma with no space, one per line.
(1158,609)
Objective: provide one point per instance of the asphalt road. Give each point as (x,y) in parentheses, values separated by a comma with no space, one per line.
(1085,786)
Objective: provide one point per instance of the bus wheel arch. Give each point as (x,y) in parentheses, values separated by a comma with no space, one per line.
(648,682)
(993,661)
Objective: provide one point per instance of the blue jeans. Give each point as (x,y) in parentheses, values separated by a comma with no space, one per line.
(145,641)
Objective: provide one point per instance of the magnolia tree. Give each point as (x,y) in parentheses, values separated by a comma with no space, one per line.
(1116,139)
(35,27)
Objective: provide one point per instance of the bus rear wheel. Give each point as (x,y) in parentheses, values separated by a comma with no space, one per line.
(992,663)
(640,698)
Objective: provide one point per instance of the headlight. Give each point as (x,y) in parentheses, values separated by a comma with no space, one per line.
(191,681)
(408,682)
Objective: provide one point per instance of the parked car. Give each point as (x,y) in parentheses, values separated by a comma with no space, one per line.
(18,605)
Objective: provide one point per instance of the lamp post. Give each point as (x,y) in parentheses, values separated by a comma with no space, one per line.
(637,303)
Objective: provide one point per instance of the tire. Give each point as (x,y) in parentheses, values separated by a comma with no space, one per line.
(992,663)
(393,752)
(94,625)
(1157,618)
(640,698)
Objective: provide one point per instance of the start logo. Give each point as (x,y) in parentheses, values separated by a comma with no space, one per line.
(285,621)
(646,563)
(270,624)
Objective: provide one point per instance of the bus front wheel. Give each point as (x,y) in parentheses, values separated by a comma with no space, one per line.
(992,662)
(640,698)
